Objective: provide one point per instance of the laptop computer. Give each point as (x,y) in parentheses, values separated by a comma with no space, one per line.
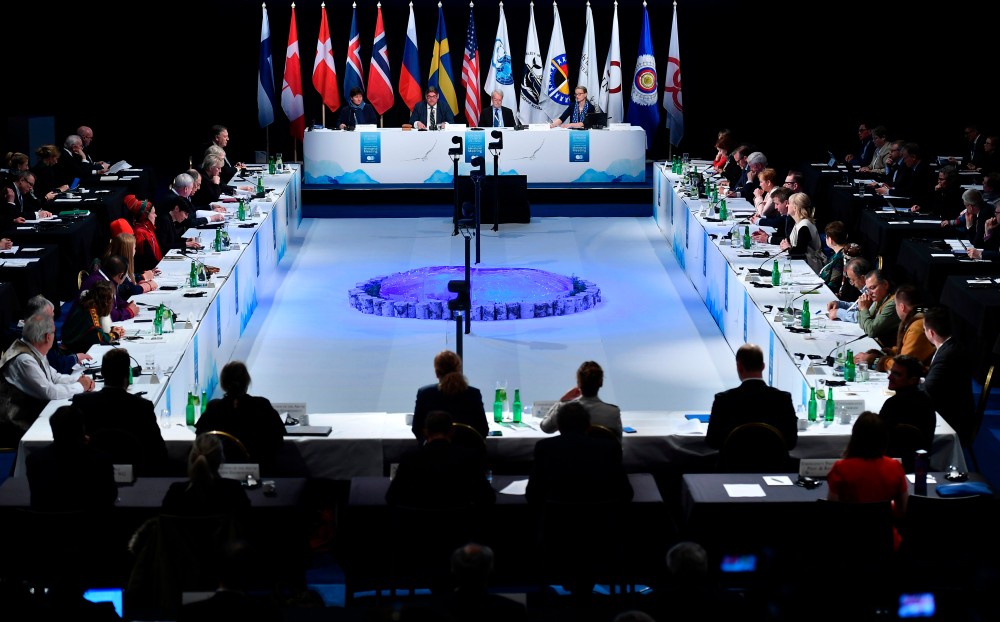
(308,430)
(595,121)
(73,186)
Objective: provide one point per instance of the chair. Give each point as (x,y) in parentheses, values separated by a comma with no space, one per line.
(121,445)
(81,276)
(601,431)
(984,398)
(754,448)
(232,447)
(420,543)
(904,441)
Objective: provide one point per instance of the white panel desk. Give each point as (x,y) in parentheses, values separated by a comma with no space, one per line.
(394,156)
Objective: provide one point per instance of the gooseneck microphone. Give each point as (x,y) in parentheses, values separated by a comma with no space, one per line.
(829,357)
(760,269)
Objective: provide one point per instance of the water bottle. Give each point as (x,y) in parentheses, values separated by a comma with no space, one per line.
(812,404)
(189,410)
(786,269)
(920,465)
(218,241)
(723,212)
(270,165)
(241,211)
(193,276)
(850,371)
(497,407)
(278,163)
(734,237)
(260,184)
(806,317)
(204,400)
(158,321)
(831,409)
(517,406)
(747,241)
(775,275)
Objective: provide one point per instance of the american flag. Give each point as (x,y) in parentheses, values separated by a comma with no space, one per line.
(470,75)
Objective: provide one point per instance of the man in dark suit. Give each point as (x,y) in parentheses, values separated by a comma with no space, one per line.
(219,138)
(752,401)
(575,467)
(25,204)
(114,408)
(440,474)
(949,379)
(497,115)
(68,474)
(909,405)
(429,114)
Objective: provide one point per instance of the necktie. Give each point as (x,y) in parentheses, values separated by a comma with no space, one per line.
(434,124)
(496,118)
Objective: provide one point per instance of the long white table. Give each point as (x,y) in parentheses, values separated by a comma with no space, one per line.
(210,326)
(747,313)
(393,156)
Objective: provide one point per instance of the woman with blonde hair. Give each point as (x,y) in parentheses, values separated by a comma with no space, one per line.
(451,393)
(124,246)
(206,493)
(803,242)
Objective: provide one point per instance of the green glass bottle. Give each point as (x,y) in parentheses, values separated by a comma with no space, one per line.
(189,410)
(204,400)
(775,275)
(830,409)
(850,371)
(158,321)
(723,212)
(747,240)
(241,211)
(517,406)
(130,378)
(193,276)
(260,184)
(806,316)
(497,407)
(812,404)
(270,165)
(218,241)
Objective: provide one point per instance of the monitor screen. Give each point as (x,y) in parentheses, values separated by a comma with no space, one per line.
(595,120)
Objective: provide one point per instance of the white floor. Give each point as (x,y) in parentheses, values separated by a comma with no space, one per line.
(653,336)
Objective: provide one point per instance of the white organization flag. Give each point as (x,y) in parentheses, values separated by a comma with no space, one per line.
(531,84)
(589,75)
(501,76)
(612,99)
(556,89)
(672,101)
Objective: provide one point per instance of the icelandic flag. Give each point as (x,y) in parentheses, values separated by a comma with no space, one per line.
(643,111)
(265,76)
(410,89)
(379,82)
(672,101)
(353,75)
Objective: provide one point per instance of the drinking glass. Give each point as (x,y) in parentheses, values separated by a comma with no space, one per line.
(502,386)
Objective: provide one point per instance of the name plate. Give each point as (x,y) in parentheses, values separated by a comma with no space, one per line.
(541,408)
(239,471)
(851,407)
(295,410)
(816,467)
(124,473)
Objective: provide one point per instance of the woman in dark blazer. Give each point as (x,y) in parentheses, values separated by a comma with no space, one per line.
(451,393)
(357,111)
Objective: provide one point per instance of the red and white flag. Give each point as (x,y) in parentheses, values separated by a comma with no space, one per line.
(470,74)
(291,86)
(379,83)
(324,70)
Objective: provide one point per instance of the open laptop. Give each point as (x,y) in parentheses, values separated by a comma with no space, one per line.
(595,121)
(73,186)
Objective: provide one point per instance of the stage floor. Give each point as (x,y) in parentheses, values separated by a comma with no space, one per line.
(658,345)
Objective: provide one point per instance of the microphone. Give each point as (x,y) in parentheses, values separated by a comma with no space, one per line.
(202,270)
(805,293)
(760,269)
(456,151)
(829,356)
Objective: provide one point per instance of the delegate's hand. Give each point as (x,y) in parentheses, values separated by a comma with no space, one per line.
(43,214)
(419,125)
(50,195)
(785,244)
(87,382)
(20,220)
(216,217)
(133,309)
(760,236)
(865,301)
(83,356)
(570,395)
(192,243)
(975,253)
(864,357)
(211,269)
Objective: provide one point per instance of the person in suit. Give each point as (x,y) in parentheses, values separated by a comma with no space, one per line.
(211,189)
(781,221)
(909,405)
(113,407)
(880,138)
(972,223)
(589,380)
(206,493)
(220,138)
(846,308)
(73,163)
(86,135)
(452,394)
(357,111)
(576,113)
(752,401)
(949,378)
(866,151)
(45,172)
(250,418)
(428,114)
(576,467)
(440,474)
(877,309)
(976,154)
(910,337)
(22,202)
(497,115)
(748,182)
(68,474)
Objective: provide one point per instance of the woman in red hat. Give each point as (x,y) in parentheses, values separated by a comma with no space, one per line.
(147,249)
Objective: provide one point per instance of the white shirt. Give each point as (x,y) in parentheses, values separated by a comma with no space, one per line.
(43,383)
(601,413)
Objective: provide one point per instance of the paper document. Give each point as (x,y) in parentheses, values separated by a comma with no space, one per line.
(744,490)
(517,487)
(120,165)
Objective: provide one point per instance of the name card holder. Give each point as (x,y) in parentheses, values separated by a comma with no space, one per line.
(124,474)
(239,471)
(816,467)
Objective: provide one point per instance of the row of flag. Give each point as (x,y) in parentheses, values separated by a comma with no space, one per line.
(545,88)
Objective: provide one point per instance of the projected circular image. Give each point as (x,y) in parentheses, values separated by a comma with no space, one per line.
(497,294)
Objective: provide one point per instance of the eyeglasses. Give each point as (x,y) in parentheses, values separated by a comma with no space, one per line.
(29,184)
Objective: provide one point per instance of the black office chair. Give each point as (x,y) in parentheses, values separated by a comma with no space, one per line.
(984,398)
(904,441)
(754,448)
(121,445)
(232,447)
(468,437)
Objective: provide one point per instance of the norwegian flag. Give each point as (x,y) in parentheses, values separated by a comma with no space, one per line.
(470,75)
(324,69)
(291,86)
(379,84)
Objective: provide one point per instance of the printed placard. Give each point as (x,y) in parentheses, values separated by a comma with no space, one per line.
(475,145)
(579,147)
(371,148)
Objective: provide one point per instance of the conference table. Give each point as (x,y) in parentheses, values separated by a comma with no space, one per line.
(30,270)
(210,318)
(746,308)
(882,231)
(371,156)
(927,267)
(974,303)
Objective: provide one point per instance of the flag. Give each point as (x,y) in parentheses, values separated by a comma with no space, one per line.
(531,83)
(353,76)
(265,76)
(642,110)
(470,74)
(589,75)
(410,89)
(554,97)
(501,76)
(611,82)
(672,102)
(440,75)
(379,81)
(324,70)
(291,85)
